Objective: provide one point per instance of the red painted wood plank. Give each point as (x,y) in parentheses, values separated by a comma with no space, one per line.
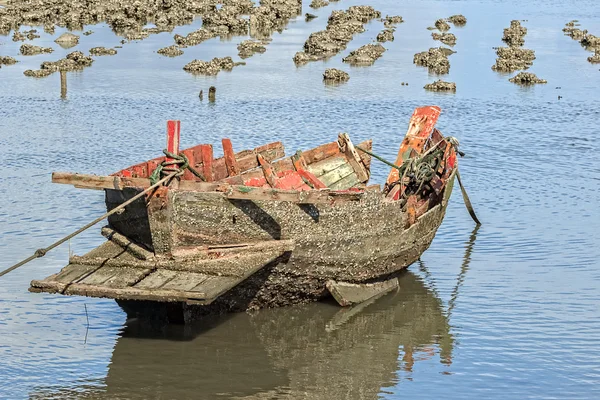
(153,164)
(314,181)
(187,174)
(230,161)
(140,170)
(206,151)
(267,168)
(292,181)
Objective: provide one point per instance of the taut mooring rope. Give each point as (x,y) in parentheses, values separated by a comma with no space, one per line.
(42,252)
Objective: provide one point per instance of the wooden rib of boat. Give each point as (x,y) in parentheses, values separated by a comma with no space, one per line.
(260,229)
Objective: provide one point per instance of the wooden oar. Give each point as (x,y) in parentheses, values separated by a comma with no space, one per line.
(466,199)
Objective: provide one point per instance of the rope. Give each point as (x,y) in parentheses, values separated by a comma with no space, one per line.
(180,160)
(42,252)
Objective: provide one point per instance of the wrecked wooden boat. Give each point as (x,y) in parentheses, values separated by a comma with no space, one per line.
(258,228)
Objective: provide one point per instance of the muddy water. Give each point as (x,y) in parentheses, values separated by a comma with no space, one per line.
(508,311)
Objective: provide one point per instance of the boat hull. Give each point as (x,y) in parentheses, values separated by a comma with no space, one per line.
(300,276)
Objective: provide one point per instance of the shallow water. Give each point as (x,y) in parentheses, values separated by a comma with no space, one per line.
(508,311)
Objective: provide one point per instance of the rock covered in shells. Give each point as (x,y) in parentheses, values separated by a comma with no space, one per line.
(595,59)
(458,20)
(575,33)
(511,59)
(30,50)
(391,21)
(18,37)
(199,36)
(526,78)
(72,62)
(7,60)
(212,67)
(228,16)
(249,47)
(67,39)
(119,15)
(365,55)
(442,25)
(590,41)
(341,26)
(435,59)
(386,35)
(170,51)
(335,75)
(446,38)
(318,3)
(102,51)
(272,15)
(513,35)
(31,34)
(441,86)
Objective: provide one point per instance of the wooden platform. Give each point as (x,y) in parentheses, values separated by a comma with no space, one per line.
(111,271)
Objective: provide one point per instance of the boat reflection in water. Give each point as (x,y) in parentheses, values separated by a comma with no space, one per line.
(317,351)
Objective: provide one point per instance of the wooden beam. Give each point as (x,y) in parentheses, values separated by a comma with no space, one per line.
(207,161)
(267,170)
(230,191)
(230,161)
(353,157)
(321,152)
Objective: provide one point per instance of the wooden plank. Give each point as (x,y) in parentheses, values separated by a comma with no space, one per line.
(267,170)
(207,161)
(140,170)
(353,157)
(98,182)
(324,166)
(185,281)
(125,277)
(99,276)
(347,294)
(153,164)
(366,158)
(311,180)
(167,286)
(337,174)
(187,174)
(282,165)
(346,183)
(230,161)
(73,272)
(214,286)
(291,181)
(156,279)
(308,177)
(126,244)
(230,191)
(321,152)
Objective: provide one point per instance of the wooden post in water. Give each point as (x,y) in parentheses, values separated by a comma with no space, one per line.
(212,93)
(63,84)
